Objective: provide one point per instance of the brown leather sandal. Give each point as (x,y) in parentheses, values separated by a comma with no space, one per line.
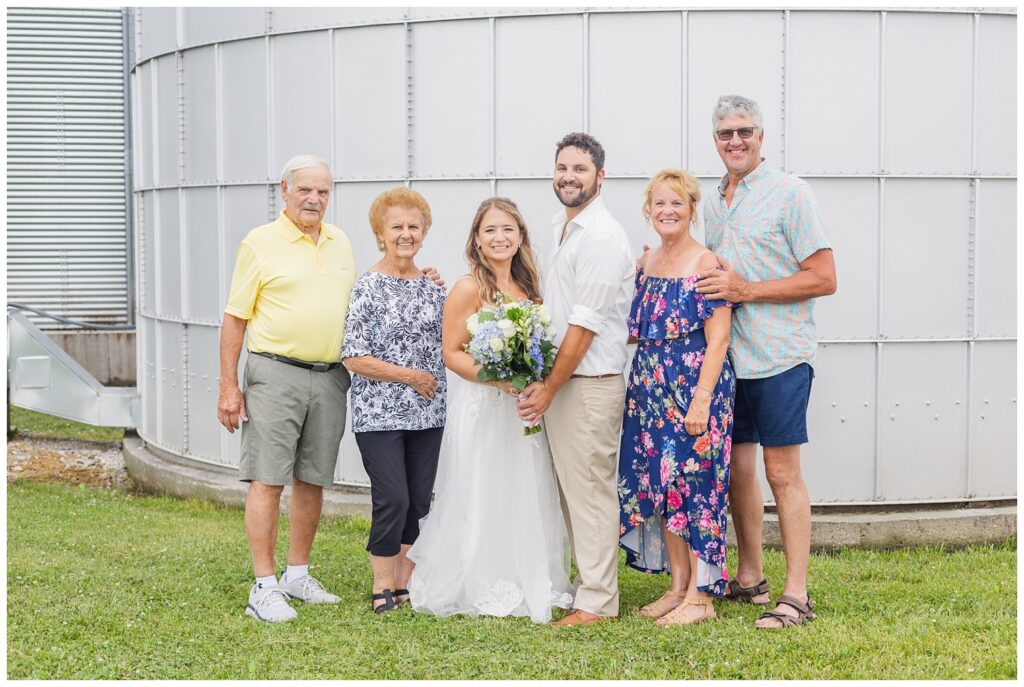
(662,605)
(677,617)
(736,592)
(804,613)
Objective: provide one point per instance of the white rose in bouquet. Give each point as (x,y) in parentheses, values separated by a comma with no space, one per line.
(507,328)
(497,344)
(543,315)
(472,324)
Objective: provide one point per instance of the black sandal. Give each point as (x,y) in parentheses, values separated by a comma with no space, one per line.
(736,592)
(804,613)
(402,592)
(389,601)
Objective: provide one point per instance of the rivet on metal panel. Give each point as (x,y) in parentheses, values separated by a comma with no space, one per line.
(936,417)
(927,403)
(897,404)
(842,419)
(833,404)
(892,417)
(982,417)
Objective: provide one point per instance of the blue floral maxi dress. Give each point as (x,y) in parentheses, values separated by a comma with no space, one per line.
(663,470)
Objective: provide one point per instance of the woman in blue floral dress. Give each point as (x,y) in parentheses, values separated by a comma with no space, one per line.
(677,429)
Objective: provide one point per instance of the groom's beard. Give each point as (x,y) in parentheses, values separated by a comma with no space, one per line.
(574,195)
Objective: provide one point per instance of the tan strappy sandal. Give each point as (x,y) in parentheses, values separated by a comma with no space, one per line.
(677,616)
(663,605)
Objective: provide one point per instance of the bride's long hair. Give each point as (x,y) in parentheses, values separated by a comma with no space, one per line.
(524,265)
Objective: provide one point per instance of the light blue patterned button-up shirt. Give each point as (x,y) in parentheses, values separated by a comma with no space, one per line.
(772,225)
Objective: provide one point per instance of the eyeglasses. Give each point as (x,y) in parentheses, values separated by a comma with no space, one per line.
(745,133)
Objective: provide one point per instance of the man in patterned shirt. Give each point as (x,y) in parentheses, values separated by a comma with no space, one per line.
(768,230)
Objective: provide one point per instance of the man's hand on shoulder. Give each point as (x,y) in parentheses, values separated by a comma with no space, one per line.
(641,262)
(722,284)
(231,408)
(433,275)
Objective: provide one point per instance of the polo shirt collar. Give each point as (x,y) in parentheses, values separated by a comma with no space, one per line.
(293,233)
(759,173)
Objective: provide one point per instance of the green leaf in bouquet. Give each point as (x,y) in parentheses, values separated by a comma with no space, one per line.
(487,375)
(520,382)
(546,347)
(485,316)
(515,313)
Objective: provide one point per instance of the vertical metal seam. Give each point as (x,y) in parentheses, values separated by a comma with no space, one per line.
(131,285)
(879,424)
(269,84)
(585,80)
(684,89)
(183,370)
(218,113)
(785,90)
(268,24)
(179,91)
(881,92)
(879,347)
(493,95)
(332,114)
(972,219)
(972,326)
(140,227)
(975,29)
(409,161)
(968,410)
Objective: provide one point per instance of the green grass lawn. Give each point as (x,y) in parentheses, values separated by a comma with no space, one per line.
(105,585)
(43,425)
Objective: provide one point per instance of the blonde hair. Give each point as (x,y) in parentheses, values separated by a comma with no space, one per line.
(402,197)
(680,181)
(524,265)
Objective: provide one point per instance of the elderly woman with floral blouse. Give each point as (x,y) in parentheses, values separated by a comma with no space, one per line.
(393,350)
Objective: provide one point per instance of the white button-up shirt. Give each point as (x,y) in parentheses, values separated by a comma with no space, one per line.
(589,282)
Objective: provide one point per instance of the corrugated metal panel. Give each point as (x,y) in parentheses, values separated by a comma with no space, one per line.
(67,224)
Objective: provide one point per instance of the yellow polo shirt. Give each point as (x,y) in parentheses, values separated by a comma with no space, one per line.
(294,293)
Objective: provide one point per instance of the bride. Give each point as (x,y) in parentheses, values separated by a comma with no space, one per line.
(494,542)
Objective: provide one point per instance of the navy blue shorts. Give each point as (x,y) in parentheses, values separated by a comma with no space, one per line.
(773,411)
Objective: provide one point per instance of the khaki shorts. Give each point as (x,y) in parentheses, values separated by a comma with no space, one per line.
(296,421)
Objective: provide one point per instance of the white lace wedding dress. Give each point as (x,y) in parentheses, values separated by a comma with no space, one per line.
(494,542)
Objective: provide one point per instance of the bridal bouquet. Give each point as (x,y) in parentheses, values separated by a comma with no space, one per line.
(513,342)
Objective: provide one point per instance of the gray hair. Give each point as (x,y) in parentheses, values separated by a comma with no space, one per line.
(301,162)
(736,105)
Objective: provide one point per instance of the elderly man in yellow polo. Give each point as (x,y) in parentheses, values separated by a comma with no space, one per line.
(290,290)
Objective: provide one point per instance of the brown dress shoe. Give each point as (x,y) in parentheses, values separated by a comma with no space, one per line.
(578,617)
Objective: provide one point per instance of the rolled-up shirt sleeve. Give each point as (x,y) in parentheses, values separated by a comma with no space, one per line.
(600,264)
(245,284)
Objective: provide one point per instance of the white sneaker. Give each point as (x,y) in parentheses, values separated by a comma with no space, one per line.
(307,589)
(270,605)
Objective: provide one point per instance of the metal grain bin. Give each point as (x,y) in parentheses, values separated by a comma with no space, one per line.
(903,122)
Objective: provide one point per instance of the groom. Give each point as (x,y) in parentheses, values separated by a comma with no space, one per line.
(588,287)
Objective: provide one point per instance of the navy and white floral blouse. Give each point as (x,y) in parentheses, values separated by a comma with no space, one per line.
(398,321)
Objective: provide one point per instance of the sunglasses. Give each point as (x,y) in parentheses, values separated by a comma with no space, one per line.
(726,134)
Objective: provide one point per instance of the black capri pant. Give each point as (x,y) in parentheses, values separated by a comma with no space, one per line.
(402,465)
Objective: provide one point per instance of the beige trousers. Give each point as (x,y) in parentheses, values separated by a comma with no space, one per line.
(583,425)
